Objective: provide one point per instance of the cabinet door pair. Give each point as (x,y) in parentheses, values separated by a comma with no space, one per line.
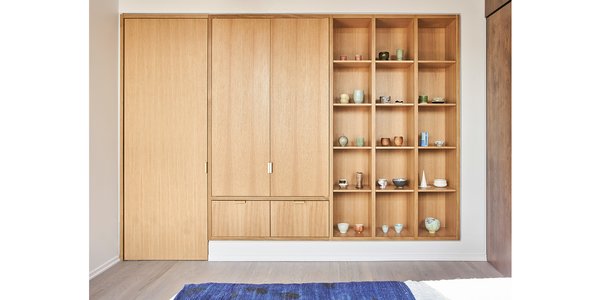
(270,95)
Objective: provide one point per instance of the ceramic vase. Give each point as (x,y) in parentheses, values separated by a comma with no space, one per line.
(359,96)
(432,224)
(343,140)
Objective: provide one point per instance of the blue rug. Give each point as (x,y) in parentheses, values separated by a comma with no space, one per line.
(340,290)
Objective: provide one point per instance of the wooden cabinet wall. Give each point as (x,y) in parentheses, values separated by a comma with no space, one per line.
(499,201)
(164,139)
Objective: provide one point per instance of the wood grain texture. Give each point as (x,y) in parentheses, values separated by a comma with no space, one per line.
(499,199)
(163,279)
(300,107)
(493,5)
(299,218)
(165,92)
(240,107)
(240,218)
(395,208)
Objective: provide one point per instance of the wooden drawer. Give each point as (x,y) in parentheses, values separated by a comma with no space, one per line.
(240,218)
(299,218)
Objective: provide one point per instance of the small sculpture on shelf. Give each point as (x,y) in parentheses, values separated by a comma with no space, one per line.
(359,177)
(385,141)
(432,224)
(398,140)
(423,183)
(398,228)
(344,98)
(343,140)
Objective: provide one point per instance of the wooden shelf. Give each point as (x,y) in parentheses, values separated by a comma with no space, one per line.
(394,147)
(351,63)
(351,234)
(394,63)
(442,234)
(351,189)
(391,188)
(405,234)
(351,148)
(352,104)
(433,189)
(436,63)
(437,148)
(394,104)
(436,104)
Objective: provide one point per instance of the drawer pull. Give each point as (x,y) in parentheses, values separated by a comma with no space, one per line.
(299,202)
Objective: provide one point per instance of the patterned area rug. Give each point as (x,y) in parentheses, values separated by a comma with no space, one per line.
(340,290)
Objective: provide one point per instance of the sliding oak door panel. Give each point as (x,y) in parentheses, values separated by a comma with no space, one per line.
(164,142)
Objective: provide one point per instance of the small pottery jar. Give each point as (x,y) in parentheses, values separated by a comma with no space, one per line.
(343,57)
(384,55)
(399,54)
(359,96)
(359,177)
(385,141)
(357,57)
(359,228)
(398,140)
(423,98)
(360,141)
(343,140)
(432,224)
(385,228)
(398,228)
(344,98)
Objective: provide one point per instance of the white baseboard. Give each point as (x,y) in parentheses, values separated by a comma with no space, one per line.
(105,266)
(337,251)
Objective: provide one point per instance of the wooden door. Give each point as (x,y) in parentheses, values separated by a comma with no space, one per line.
(300,107)
(240,107)
(164,139)
(299,219)
(499,202)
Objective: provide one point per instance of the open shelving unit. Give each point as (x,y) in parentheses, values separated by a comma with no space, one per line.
(430,66)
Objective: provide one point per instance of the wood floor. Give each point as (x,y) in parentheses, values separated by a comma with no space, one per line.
(163,279)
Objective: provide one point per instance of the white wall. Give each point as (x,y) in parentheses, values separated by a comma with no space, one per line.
(104,174)
(472,243)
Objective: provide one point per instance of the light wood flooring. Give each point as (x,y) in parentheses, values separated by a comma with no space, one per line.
(163,279)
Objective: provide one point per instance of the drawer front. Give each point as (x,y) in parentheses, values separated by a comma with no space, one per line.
(240,218)
(299,218)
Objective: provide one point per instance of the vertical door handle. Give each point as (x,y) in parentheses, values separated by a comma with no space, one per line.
(206,167)
(270,168)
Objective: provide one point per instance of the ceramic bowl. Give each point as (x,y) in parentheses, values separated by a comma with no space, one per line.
(439,143)
(432,224)
(399,182)
(440,182)
(343,185)
(343,227)
(382,183)
(398,228)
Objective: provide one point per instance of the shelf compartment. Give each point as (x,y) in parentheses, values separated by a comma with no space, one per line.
(395,82)
(441,125)
(393,209)
(442,206)
(438,164)
(395,122)
(438,82)
(352,36)
(405,234)
(395,164)
(395,33)
(348,79)
(437,38)
(351,189)
(352,208)
(352,122)
(347,163)
(351,63)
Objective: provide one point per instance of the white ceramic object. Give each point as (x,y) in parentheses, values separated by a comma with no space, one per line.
(343,227)
(439,143)
(423,183)
(439,182)
(398,228)
(385,228)
(382,182)
(343,185)
(359,96)
(432,224)
(344,98)
(343,140)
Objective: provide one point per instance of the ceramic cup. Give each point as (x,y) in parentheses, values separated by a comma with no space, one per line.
(360,141)
(343,183)
(359,96)
(439,143)
(385,228)
(343,57)
(384,55)
(343,227)
(385,141)
(398,140)
(440,182)
(382,182)
(399,54)
(344,98)
(359,228)
(423,98)
(357,57)
(398,228)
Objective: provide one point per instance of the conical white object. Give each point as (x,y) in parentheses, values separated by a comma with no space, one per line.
(423,181)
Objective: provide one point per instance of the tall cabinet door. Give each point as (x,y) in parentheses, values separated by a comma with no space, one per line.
(240,107)
(164,139)
(300,107)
